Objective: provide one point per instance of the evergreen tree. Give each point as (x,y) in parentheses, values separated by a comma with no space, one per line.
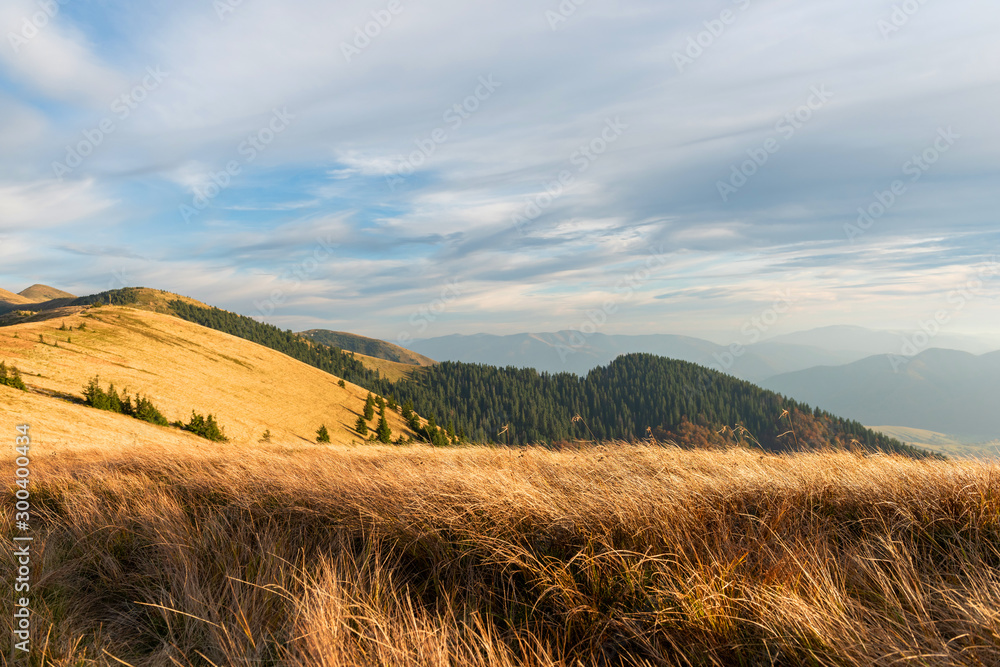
(407,410)
(322,435)
(392,402)
(206,427)
(361,426)
(382,431)
(369,407)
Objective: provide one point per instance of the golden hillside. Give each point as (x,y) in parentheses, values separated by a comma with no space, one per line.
(39,293)
(9,298)
(181,367)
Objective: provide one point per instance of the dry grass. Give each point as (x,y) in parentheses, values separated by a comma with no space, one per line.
(413,556)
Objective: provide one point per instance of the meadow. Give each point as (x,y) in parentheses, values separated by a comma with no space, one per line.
(621,554)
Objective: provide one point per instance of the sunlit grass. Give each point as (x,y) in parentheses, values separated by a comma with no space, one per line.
(481,556)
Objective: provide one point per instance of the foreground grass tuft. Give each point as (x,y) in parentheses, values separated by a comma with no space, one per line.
(617,555)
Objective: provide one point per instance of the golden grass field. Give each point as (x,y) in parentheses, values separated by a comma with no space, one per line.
(182,367)
(613,555)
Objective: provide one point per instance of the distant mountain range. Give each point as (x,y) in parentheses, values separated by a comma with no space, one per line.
(870,342)
(947,391)
(571,352)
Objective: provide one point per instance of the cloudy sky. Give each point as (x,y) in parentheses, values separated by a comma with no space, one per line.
(421,168)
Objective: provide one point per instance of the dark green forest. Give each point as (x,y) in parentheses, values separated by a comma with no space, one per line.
(634,397)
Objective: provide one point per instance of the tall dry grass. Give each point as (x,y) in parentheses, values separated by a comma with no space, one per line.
(634,555)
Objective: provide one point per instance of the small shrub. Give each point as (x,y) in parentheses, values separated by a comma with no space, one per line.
(206,427)
(322,435)
(11,378)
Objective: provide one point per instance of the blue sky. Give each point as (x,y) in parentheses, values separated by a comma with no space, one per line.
(509,166)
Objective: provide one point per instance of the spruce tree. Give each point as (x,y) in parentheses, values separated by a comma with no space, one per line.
(361,426)
(369,407)
(322,435)
(383,432)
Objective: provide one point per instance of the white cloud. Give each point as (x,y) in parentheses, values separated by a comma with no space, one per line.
(49,203)
(46,53)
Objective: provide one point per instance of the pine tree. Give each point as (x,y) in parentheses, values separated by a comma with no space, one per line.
(266,438)
(361,426)
(383,432)
(369,407)
(408,410)
(380,404)
(392,402)
(322,435)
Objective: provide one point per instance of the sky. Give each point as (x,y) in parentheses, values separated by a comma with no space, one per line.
(407,169)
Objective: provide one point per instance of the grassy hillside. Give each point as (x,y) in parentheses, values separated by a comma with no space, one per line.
(392,371)
(370,347)
(183,367)
(10,300)
(335,556)
(40,293)
(944,443)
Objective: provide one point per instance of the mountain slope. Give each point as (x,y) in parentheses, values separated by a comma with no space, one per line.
(10,300)
(635,396)
(40,293)
(938,390)
(370,347)
(183,367)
